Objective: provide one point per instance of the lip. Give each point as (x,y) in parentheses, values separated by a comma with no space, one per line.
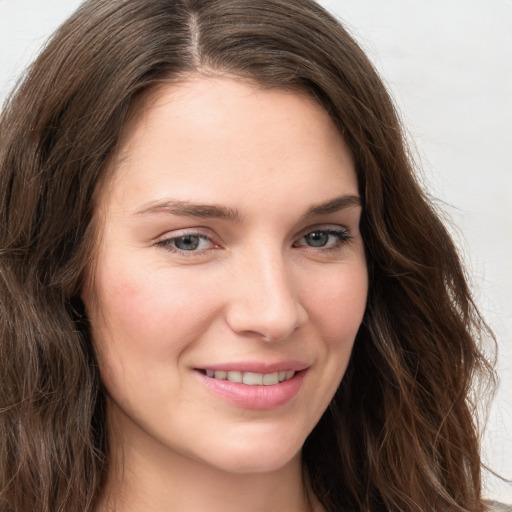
(255,397)
(257,366)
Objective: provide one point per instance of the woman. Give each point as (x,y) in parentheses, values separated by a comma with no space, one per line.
(221,285)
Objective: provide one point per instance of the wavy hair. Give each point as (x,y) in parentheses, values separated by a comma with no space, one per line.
(401,432)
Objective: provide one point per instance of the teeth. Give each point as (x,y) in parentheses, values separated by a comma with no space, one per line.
(270,379)
(251,378)
(234,376)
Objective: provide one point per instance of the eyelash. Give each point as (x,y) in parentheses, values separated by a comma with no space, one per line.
(342,236)
(167,243)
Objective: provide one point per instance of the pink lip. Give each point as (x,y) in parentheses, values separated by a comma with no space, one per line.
(257,367)
(254,397)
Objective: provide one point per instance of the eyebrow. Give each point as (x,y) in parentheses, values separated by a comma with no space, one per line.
(209,211)
(187,209)
(333,205)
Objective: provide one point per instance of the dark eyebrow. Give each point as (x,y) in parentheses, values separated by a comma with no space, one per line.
(333,206)
(209,211)
(186,209)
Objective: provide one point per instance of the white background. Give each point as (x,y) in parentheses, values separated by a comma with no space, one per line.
(448,64)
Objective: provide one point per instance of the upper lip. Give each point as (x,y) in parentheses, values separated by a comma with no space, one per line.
(257,366)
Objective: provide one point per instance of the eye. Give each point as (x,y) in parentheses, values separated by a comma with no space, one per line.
(187,243)
(324,239)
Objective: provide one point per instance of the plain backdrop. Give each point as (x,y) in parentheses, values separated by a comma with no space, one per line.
(448,64)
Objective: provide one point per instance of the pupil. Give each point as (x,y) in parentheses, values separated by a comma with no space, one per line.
(317,239)
(187,243)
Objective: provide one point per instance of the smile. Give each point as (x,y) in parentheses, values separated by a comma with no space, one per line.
(251,378)
(252,389)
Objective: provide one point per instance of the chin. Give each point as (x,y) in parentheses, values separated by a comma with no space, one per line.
(258,464)
(250,456)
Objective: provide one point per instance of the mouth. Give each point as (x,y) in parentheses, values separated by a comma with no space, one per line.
(253,385)
(250,378)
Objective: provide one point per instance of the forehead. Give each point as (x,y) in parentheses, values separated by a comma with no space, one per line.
(198,134)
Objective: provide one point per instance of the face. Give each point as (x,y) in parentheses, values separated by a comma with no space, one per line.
(230,278)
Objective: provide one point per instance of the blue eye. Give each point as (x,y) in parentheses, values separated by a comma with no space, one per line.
(190,242)
(324,238)
(317,239)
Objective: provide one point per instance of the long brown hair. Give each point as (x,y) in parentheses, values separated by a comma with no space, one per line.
(401,432)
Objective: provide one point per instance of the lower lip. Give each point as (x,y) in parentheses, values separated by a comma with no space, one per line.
(255,397)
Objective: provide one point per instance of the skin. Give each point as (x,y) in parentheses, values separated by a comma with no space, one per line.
(257,288)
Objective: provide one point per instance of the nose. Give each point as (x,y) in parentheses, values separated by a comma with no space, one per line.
(264,302)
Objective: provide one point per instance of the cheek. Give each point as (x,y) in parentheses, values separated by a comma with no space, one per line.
(338,306)
(140,318)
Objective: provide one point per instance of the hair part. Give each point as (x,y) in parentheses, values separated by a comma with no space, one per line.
(400,433)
